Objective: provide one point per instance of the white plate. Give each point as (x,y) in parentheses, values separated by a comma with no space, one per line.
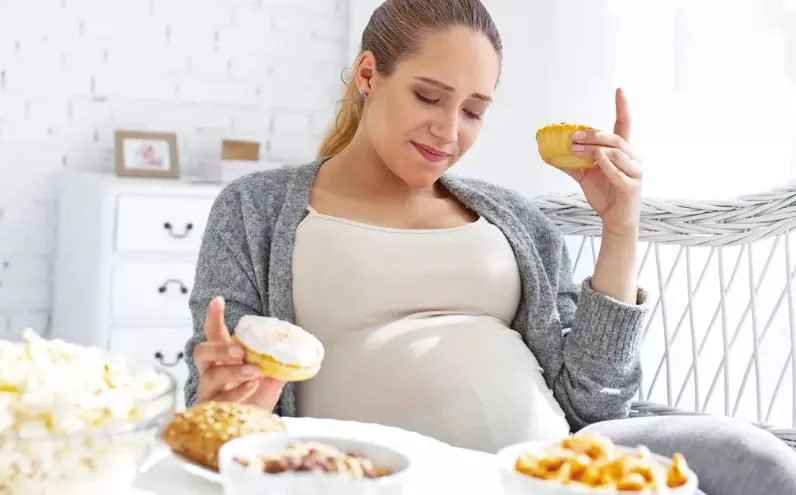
(196,469)
(414,444)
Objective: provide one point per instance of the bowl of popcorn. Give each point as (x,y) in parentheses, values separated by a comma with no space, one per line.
(76,420)
(588,463)
(283,463)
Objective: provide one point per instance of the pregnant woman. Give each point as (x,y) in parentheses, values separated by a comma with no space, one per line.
(445,304)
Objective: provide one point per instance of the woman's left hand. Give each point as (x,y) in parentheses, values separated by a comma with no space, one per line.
(613,186)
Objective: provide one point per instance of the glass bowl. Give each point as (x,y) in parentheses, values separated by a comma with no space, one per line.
(99,460)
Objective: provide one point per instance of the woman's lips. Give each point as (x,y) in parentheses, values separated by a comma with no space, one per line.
(430,154)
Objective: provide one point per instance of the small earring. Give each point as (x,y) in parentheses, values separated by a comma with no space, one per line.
(364,95)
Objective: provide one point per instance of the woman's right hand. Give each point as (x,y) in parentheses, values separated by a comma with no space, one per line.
(223,376)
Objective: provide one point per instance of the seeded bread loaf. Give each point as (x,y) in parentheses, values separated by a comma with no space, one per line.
(199,432)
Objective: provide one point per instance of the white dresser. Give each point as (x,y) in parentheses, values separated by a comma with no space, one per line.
(124,265)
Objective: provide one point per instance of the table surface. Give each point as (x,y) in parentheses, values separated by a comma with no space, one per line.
(461,470)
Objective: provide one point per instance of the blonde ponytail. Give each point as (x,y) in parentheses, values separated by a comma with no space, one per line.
(342,130)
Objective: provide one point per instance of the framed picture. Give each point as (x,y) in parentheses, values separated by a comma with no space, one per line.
(146,154)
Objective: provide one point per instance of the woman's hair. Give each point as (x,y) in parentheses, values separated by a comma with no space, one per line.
(395,31)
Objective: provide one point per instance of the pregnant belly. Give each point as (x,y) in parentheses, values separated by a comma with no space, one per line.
(468,381)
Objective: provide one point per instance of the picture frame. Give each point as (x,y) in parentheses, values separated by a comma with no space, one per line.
(146,154)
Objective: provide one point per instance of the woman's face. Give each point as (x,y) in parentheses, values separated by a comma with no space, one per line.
(425,115)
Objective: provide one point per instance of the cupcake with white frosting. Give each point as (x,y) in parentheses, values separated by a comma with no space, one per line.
(280,349)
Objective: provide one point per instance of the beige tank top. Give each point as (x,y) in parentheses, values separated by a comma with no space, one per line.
(416,325)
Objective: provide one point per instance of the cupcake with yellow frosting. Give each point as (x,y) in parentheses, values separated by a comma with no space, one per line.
(555,143)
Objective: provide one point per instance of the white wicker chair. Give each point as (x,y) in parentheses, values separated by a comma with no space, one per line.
(700,261)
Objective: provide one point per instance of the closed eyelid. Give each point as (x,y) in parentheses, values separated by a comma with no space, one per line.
(430,93)
(449,89)
(425,98)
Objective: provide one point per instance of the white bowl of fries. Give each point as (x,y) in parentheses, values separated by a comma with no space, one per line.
(590,464)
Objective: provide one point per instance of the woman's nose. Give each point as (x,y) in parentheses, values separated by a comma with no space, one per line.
(446,128)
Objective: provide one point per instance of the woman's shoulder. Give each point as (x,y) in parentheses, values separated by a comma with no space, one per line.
(261,196)
(481,191)
(266,183)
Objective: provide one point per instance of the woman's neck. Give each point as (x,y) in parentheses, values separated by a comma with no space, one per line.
(359,171)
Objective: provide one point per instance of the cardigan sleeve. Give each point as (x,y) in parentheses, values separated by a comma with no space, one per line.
(225,269)
(218,273)
(601,371)
(227,266)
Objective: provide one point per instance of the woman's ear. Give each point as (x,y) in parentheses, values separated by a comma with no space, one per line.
(364,72)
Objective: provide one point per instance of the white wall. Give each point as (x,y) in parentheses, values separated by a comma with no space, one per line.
(71,71)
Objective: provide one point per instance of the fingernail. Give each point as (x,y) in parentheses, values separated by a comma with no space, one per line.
(236,352)
(578,147)
(579,135)
(249,370)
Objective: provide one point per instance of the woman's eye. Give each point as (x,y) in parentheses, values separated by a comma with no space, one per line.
(425,100)
(473,115)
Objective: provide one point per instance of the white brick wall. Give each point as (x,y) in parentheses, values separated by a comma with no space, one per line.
(72,71)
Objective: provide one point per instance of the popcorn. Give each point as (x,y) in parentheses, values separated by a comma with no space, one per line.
(68,417)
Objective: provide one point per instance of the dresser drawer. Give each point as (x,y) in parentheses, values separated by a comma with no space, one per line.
(160,224)
(151,289)
(162,347)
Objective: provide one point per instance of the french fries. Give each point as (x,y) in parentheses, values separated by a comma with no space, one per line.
(592,462)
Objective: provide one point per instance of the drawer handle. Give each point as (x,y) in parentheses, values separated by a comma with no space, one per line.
(163,288)
(177,235)
(159,357)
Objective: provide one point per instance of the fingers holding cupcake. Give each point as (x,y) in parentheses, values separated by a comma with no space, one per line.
(253,365)
(603,163)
